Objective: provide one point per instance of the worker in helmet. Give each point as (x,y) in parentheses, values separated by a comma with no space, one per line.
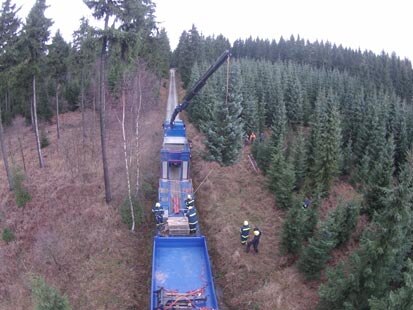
(192,219)
(244,231)
(157,210)
(189,201)
(255,241)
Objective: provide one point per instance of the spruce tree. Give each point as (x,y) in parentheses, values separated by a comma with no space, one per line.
(281,177)
(399,299)
(224,131)
(293,96)
(327,163)
(294,229)
(299,159)
(231,112)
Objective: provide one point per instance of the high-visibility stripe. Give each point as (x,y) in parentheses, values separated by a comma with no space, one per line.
(193,223)
(244,237)
(193,214)
(246,229)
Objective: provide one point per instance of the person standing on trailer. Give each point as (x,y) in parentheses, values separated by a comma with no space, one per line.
(192,219)
(189,201)
(157,210)
(244,231)
(255,241)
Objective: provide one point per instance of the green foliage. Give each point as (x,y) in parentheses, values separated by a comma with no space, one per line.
(262,153)
(71,94)
(8,235)
(333,232)
(316,254)
(329,145)
(382,255)
(292,234)
(299,160)
(281,178)
(20,191)
(224,131)
(399,299)
(125,211)
(44,140)
(47,297)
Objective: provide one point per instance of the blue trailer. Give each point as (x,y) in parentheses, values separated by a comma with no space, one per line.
(181,274)
(181,270)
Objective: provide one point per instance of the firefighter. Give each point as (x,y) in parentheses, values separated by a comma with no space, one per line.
(255,241)
(157,210)
(244,231)
(192,219)
(189,201)
(307,202)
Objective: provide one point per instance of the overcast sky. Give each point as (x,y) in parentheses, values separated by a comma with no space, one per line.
(367,24)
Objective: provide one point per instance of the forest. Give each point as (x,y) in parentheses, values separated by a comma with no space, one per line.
(324,116)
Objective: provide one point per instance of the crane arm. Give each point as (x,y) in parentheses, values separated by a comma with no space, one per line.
(198,85)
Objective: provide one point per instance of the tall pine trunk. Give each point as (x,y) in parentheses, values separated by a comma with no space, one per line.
(36,127)
(57,111)
(108,195)
(82,105)
(5,153)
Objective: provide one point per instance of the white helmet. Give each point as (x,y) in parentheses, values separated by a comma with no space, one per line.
(256,232)
(157,205)
(189,196)
(245,223)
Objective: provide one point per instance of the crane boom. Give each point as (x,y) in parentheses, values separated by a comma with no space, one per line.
(198,85)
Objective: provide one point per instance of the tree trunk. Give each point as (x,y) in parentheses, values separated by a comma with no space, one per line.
(31,113)
(36,128)
(108,195)
(82,105)
(22,153)
(138,112)
(57,111)
(132,211)
(4,152)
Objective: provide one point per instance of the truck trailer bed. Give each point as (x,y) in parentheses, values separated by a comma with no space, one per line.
(181,274)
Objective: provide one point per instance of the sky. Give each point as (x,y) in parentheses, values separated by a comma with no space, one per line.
(375,25)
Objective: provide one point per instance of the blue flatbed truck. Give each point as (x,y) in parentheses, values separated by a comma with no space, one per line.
(181,274)
(181,269)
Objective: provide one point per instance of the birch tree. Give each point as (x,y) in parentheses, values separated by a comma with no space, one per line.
(36,34)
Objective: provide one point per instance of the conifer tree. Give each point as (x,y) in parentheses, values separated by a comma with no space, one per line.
(224,131)
(299,159)
(327,162)
(57,60)
(281,177)
(232,110)
(203,105)
(314,145)
(382,253)
(401,298)
(293,96)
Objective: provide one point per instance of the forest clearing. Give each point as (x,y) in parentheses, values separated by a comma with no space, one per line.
(289,175)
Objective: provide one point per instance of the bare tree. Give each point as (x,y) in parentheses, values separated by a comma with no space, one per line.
(57,111)
(137,116)
(108,194)
(125,152)
(36,127)
(4,152)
